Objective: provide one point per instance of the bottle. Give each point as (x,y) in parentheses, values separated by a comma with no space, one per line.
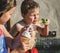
(44,20)
(26,33)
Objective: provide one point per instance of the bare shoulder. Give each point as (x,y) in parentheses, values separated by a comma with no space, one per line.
(19,26)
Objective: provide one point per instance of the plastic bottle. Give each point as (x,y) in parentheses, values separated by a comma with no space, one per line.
(26,33)
(42,21)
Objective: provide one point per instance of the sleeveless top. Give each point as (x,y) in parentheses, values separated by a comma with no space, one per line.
(2,43)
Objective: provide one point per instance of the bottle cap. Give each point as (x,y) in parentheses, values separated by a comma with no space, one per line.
(44,20)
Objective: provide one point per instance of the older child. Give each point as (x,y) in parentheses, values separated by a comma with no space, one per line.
(6,9)
(30,14)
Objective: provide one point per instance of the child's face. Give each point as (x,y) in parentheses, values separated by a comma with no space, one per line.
(25,43)
(6,16)
(32,15)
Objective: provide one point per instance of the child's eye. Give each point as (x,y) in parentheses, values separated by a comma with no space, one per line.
(37,13)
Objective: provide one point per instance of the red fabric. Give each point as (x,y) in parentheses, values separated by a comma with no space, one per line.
(33,50)
(0,32)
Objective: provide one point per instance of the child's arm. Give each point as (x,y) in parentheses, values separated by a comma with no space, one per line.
(6,33)
(43,31)
(19,27)
(13,43)
(15,29)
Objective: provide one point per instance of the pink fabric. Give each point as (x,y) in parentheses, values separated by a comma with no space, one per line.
(0,32)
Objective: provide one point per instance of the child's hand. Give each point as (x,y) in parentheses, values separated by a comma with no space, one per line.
(23,29)
(44,30)
(30,30)
(6,33)
(47,22)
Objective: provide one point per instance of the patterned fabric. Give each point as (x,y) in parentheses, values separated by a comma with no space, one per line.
(2,43)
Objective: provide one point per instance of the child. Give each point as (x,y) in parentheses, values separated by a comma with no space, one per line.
(24,48)
(30,14)
(6,9)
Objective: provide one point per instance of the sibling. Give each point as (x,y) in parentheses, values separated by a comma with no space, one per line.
(6,9)
(30,14)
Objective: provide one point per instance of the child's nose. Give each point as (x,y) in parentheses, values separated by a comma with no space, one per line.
(35,17)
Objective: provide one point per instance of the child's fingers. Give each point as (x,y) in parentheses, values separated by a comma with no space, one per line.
(12,37)
(23,29)
(31,31)
(47,22)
